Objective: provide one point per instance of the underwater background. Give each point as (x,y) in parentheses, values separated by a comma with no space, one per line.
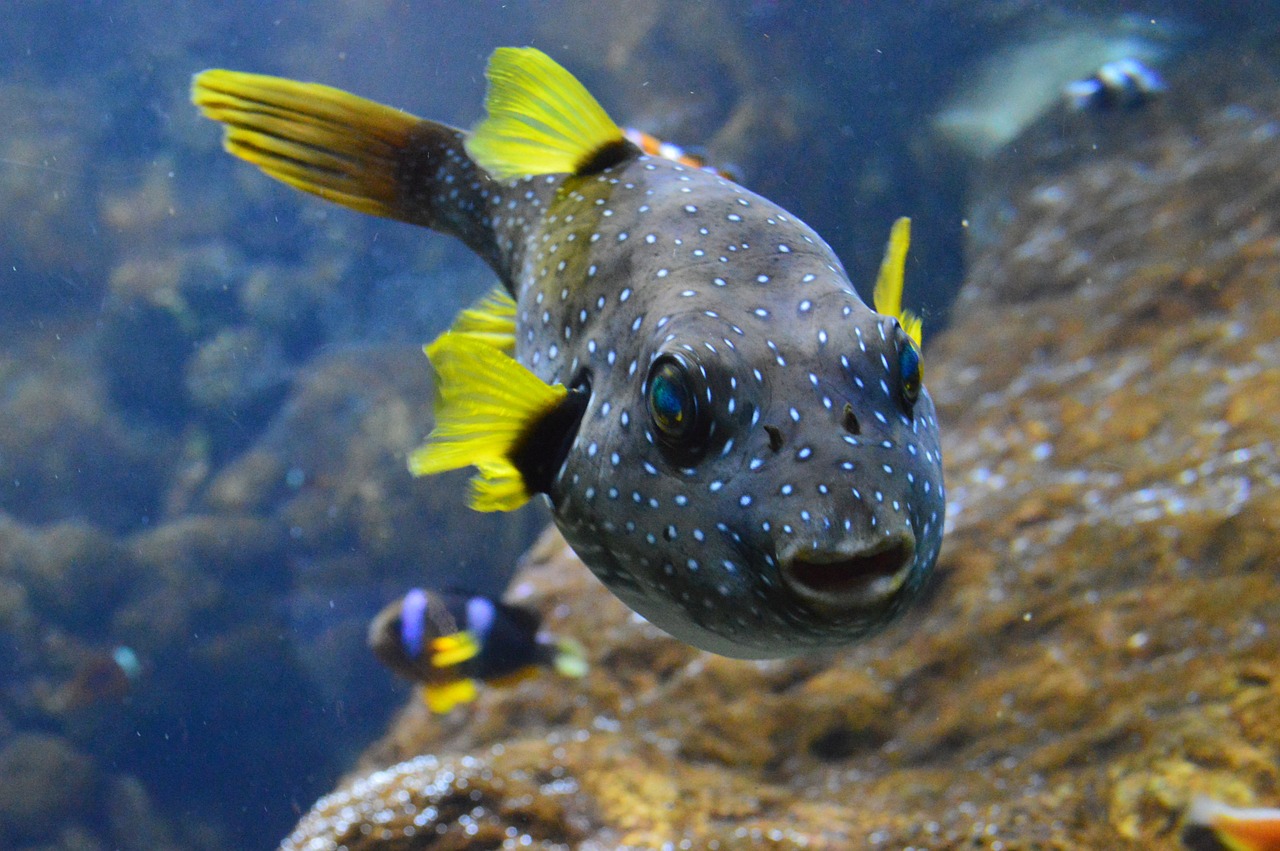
(209,384)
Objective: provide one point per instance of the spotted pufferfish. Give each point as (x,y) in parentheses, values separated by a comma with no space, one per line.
(729,438)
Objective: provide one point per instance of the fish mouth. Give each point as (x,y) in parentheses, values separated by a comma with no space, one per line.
(837,580)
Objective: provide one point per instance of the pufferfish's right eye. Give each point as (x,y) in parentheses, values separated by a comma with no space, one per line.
(909,369)
(671,392)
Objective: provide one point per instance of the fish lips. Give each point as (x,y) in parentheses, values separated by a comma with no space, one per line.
(851,575)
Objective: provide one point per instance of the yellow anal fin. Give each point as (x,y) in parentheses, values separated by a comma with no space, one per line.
(492,321)
(441,699)
(541,119)
(487,403)
(315,138)
(453,649)
(889,283)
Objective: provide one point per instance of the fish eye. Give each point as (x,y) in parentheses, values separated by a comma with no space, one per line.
(908,369)
(672,396)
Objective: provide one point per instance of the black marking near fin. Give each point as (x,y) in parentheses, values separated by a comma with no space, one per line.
(540,451)
(606,156)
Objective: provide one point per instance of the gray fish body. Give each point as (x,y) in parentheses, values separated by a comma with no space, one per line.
(651,259)
(746,456)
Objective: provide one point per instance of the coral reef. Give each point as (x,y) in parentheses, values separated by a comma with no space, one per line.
(1100,644)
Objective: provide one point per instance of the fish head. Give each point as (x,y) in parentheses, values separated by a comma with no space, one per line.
(766,475)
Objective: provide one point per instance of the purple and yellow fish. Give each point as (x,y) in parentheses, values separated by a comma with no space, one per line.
(450,642)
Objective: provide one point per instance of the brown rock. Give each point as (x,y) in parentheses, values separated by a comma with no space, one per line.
(1100,643)
(45,784)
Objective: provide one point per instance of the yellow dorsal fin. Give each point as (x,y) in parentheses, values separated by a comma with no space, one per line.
(453,649)
(889,283)
(441,699)
(487,401)
(316,138)
(541,119)
(491,320)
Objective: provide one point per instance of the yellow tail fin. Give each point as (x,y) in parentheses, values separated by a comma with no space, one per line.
(487,402)
(541,119)
(571,658)
(315,138)
(889,283)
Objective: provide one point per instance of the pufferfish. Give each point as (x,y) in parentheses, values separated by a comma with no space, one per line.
(728,437)
(449,642)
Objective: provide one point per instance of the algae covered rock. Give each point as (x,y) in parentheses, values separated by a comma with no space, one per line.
(43,782)
(1101,642)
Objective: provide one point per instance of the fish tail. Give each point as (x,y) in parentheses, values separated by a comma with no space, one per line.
(352,151)
(570,658)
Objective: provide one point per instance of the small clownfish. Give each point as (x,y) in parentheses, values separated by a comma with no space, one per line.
(1122,84)
(1233,828)
(655,147)
(450,642)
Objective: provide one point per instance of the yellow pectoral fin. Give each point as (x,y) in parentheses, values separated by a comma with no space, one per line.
(454,649)
(315,138)
(441,699)
(492,320)
(541,119)
(487,402)
(887,296)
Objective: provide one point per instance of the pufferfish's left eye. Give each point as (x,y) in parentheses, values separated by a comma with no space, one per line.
(671,392)
(909,379)
(672,405)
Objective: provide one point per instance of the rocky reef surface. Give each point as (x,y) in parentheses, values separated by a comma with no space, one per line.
(1102,640)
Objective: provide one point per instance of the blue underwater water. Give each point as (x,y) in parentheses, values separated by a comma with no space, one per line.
(210,383)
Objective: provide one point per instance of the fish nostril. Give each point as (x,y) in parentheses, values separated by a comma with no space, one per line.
(775,437)
(850,420)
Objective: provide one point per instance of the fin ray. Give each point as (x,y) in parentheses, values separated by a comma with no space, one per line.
(541,119)
(316,138)
(491,320)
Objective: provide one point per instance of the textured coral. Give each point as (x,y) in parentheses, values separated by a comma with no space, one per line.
(1100,643)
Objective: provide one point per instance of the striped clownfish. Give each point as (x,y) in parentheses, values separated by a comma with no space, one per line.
(741,449)
(1215,825)
(450,642)
(653,146)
